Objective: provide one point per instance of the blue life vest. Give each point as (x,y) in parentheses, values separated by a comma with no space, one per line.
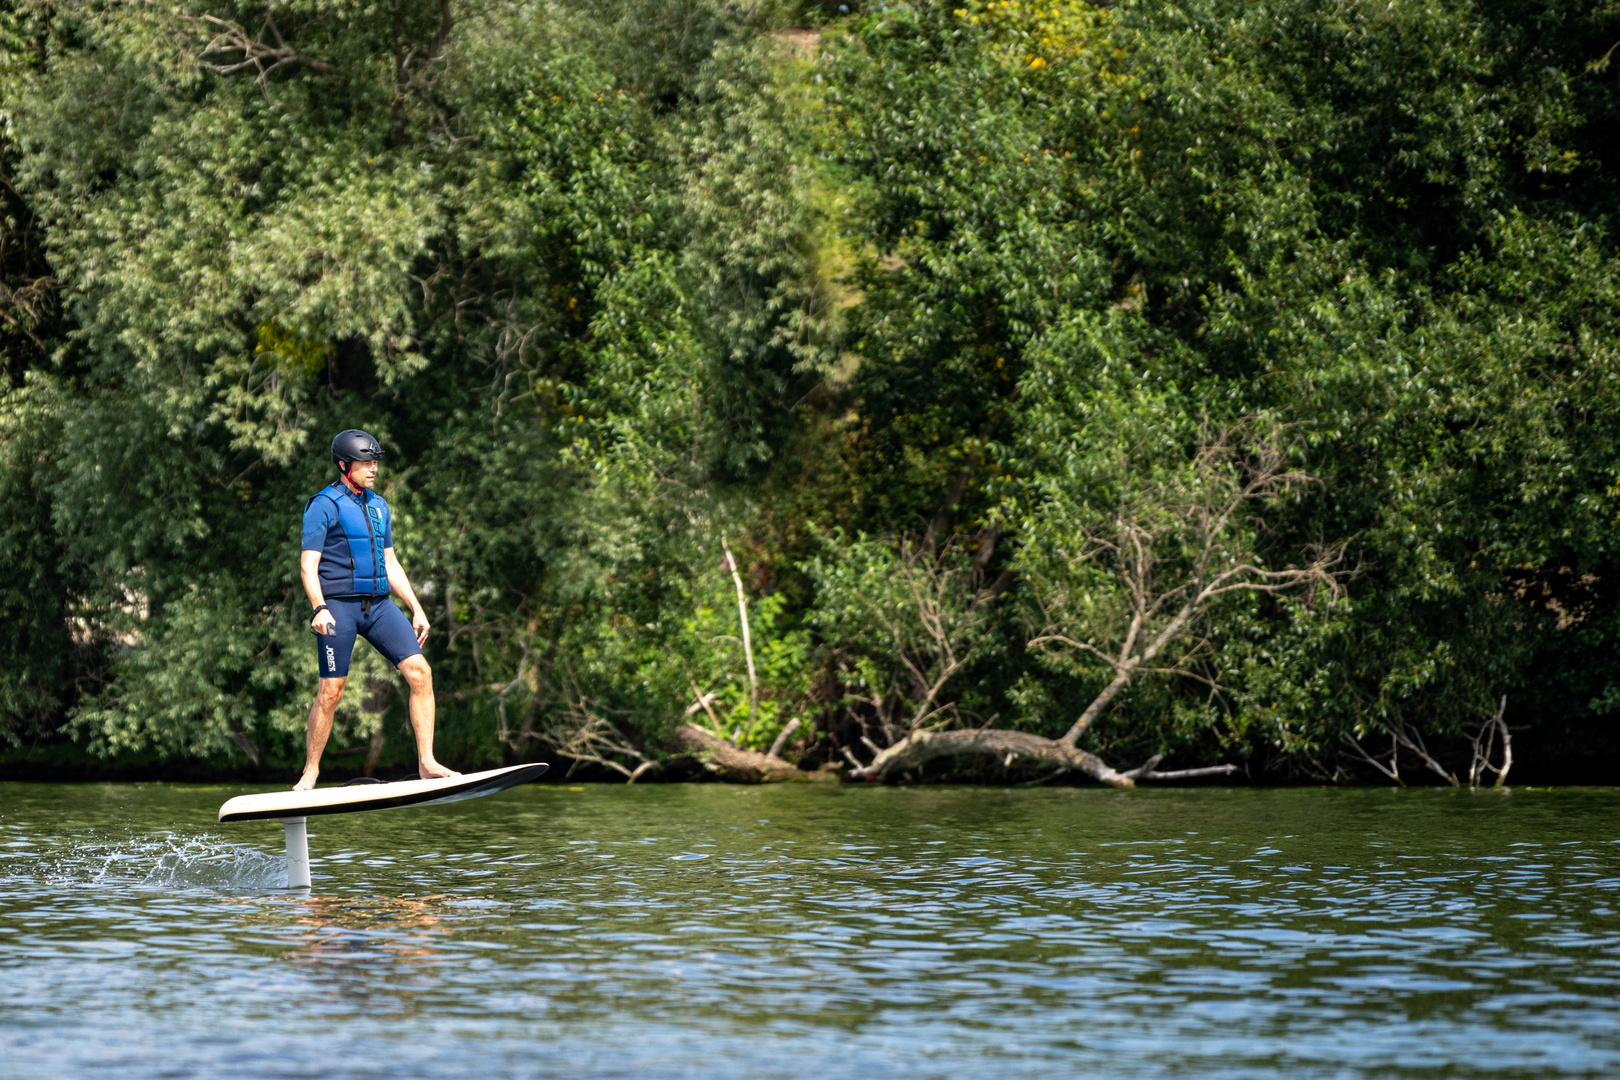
(351,532)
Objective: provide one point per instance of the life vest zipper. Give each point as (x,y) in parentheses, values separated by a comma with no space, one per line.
(371,535)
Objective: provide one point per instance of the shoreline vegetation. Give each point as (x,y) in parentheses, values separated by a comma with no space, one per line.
(909,392)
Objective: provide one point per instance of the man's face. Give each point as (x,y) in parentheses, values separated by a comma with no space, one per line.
(363,474)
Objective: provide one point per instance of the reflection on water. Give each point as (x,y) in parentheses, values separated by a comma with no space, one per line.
(740,932)
(334,931)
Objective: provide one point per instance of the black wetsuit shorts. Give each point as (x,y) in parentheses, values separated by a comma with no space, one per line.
(379,621)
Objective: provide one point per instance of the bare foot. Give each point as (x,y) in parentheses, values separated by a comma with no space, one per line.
(307,781)
(432,770)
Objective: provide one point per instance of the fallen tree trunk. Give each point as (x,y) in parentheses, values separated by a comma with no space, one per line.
(732,762)
(1010,746)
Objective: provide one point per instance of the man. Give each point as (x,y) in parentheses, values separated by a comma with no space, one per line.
(349,568)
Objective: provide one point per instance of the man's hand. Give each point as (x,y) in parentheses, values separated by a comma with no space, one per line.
(323,623)
(419,623)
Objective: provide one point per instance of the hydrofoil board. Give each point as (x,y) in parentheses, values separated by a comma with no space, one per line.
(348,800)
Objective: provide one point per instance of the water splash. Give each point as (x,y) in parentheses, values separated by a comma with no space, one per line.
(169,860)
(211,863)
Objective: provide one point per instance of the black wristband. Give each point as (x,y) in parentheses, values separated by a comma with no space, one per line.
(318,609)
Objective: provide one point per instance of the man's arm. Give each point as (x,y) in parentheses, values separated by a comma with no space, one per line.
(401,586)
(309,571)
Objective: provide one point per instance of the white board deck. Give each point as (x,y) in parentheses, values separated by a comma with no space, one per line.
(348,800)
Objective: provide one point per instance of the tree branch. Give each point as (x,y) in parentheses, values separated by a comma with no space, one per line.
(1394,770)
(257,52)
(782,737)
(748,644)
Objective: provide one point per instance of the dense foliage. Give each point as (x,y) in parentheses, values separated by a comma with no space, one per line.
(909,305)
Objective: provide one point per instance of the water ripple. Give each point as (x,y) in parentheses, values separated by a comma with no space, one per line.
(724,932)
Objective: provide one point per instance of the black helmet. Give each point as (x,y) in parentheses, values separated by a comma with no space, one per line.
(355,445)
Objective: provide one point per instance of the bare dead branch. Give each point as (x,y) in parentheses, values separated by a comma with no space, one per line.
(706,703)
(1172,550)
(1393,771)
(1187,774)
(782,737)
(578,732)
(1507,752)
(1484,747)
(950,605)
(256,50)
(1410,738)
(1229,471)
(1147,771)
(747,640)
(1145,767)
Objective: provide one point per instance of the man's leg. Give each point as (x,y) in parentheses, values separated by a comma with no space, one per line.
(320,729)
(420,679)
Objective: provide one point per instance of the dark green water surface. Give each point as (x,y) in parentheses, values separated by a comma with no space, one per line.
(817,931)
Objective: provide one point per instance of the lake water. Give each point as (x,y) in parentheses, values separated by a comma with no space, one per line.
(817,931)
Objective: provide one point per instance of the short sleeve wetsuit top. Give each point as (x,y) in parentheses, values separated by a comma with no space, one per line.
(352,532)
